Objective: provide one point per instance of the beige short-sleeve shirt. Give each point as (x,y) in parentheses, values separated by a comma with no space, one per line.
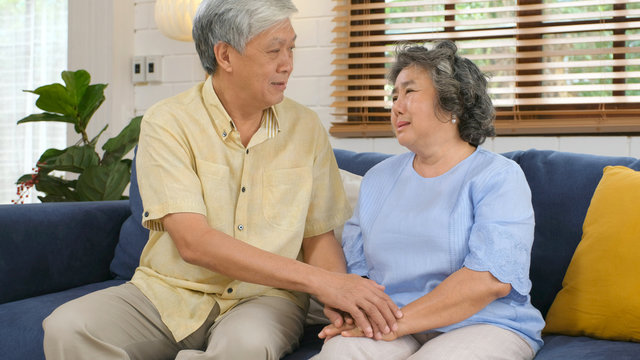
(283,187)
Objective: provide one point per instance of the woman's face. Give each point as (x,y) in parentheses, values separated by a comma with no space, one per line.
(413,114)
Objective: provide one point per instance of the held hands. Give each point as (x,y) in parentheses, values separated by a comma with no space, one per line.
(368,307)
(351,330)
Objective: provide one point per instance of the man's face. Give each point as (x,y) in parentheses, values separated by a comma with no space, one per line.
(266,64)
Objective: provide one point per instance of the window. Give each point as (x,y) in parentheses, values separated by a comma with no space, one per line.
(33,52)
(556,66)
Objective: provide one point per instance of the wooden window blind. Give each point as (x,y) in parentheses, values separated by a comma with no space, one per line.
(555,66)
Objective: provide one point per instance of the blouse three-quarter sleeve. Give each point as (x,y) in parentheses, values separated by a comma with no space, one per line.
(501,236)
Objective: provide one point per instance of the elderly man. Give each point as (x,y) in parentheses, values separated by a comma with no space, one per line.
(241,193)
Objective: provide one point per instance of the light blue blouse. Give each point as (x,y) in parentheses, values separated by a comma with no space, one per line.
(409,233)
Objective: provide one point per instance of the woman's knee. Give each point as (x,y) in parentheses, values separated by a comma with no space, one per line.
(348,348)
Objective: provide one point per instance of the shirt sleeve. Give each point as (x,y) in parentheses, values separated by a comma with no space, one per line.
(501,236)
(329,207)
(352,245)
(166,177)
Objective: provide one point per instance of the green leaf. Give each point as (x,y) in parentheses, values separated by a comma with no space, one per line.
(118,146)
(48,157)
(47,117)
(57,188)
(104,182)
(74,159)
(55,98)
(90,102)
(77,83)
(94,141)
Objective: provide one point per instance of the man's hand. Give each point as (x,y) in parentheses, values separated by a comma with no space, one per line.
(371,309)
(337,317)
(363,299)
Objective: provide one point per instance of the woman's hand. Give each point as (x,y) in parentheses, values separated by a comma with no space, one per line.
(357,332)
(332,330)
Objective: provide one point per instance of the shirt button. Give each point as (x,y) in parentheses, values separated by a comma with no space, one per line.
(229,290)
(146,214)
(240,227)
(244,189)
(247,151)
(224,134)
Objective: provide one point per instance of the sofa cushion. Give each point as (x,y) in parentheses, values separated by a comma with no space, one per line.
(562,185)
(133,236)
(21,331)
(584,348)
(599,296)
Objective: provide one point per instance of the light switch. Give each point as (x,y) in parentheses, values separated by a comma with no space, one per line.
(154,68)
(138,70)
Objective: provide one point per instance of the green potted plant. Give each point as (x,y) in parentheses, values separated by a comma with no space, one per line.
(99,178)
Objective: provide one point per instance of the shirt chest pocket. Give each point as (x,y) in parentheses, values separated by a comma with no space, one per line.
(286,197)
(217,193)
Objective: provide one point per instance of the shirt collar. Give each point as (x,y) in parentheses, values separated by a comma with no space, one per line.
(223,122)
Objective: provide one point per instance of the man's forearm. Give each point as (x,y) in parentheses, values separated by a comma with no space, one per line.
(199,244)
(323,251)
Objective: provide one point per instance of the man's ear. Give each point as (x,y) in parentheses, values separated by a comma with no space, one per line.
(222,51)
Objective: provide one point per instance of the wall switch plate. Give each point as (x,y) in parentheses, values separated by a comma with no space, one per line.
(138,70)
(154,68)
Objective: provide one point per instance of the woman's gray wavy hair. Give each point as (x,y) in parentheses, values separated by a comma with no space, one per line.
(460,86)
(234,22)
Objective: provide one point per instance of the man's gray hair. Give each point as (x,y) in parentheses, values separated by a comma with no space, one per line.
(234,22)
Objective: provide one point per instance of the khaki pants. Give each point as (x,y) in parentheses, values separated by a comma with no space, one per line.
(474,342)
(121,323)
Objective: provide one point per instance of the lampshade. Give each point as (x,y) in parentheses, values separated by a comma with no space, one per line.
(174,18)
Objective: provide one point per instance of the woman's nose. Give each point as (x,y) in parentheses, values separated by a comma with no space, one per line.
(398,106)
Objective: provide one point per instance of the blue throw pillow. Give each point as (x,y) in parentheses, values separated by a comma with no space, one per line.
(133,236)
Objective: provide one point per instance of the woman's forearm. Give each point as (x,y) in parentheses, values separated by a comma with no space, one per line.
(457,298)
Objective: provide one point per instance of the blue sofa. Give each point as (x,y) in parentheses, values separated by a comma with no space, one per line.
(51,253)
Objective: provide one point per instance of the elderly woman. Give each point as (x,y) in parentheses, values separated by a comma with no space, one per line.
(447,228)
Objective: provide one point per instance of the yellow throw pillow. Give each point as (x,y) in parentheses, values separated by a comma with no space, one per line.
(600,294)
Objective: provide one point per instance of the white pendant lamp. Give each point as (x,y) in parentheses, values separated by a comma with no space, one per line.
(174,18)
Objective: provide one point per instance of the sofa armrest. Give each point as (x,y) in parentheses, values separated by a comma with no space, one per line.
(52,247)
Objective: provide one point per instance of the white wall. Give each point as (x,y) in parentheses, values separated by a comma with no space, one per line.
(309,83)
(101,42)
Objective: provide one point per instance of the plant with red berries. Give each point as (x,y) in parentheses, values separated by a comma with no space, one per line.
(99,178)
